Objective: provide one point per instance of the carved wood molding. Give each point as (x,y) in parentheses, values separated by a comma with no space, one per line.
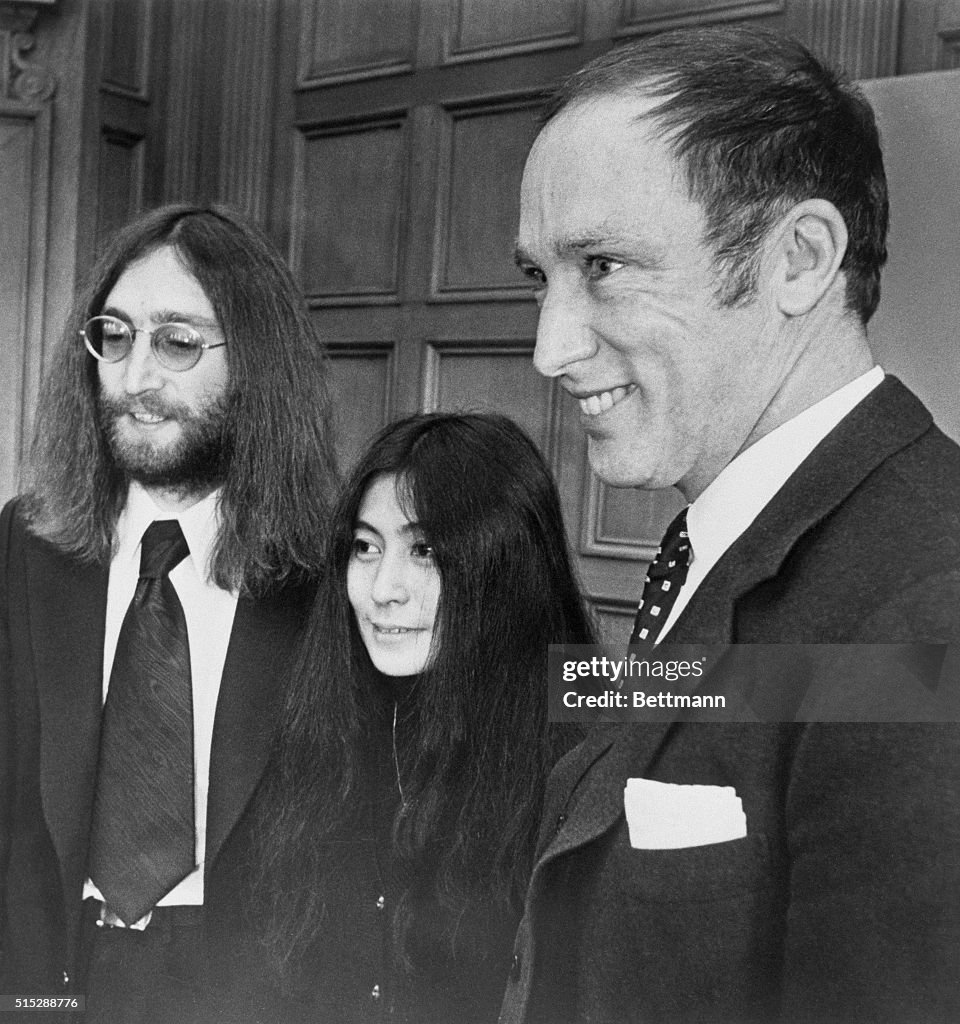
(21,79)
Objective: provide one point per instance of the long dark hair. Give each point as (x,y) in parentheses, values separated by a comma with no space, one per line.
(279,468)
(477,749)
(758,124)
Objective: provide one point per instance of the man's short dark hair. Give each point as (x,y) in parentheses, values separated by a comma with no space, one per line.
(759,124)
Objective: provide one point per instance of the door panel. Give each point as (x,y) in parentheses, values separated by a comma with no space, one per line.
(479,200)
(349,246)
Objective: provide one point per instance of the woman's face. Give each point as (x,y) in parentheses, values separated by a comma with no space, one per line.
(392,582)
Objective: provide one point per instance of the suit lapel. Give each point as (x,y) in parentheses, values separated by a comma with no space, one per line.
(887,420)
(263,635)
(67,605)
(585,791)
(67,611)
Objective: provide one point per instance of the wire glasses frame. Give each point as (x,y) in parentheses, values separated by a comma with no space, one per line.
(177,346)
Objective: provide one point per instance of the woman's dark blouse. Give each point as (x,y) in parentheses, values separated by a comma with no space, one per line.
(349,974)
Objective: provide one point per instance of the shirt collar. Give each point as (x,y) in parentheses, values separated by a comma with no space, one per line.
(737,496)
(200,524)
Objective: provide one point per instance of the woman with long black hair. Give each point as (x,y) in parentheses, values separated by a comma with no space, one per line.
(399,819)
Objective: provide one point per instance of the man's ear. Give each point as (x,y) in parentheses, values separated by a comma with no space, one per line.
(808,246)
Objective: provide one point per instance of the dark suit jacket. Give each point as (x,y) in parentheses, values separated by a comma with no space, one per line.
(841,903)
(52,613)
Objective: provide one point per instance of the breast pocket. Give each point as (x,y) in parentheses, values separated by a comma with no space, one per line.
(700,927)
(713,871)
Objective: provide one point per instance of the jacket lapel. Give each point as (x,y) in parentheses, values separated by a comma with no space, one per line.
(67,605)
(563,782)
(263,637)
(887,420)
(67,611)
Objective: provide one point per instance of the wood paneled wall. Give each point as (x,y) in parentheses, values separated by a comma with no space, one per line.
(381,143)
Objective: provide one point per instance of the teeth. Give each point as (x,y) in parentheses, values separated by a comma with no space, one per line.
(146,417)
(395,630)
(593,405)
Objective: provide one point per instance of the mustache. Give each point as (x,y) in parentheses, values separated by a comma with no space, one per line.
(147,403)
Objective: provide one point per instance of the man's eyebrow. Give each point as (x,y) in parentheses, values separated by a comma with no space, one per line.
(575,245)
(164,316)
(173,316)
(561,247)
(625,244)
(115,311)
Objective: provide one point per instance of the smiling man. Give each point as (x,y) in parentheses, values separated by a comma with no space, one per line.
(703,220)
(685,346)
(151,580)
(165,429)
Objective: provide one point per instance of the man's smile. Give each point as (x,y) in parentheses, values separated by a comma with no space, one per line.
(597,402)
(147,417)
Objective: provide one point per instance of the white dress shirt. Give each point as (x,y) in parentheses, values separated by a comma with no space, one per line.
(209,612)
(745,487)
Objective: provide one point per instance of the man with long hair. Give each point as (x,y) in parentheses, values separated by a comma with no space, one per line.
(703,219)
(153,575)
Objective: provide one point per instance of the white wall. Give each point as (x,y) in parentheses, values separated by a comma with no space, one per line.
(916,330)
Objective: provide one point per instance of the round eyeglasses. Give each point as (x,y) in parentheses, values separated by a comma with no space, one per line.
(177,346)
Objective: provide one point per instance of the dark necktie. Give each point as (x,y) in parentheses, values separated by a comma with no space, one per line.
(664,579)
(142,837)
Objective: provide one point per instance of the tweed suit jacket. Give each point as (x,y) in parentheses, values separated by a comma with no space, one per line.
(52,620)
(842,902)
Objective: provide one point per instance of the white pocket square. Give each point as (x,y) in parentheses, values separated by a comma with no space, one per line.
(665,816)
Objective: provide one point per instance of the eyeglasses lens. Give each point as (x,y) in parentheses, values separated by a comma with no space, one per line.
(110,339)
(177,346)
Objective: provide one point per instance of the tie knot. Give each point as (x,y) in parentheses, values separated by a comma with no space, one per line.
(163,547)
(675,552)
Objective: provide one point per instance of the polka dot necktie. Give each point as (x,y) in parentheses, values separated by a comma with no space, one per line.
(142,836)
(664,579)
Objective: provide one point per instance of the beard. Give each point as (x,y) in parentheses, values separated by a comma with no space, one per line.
(192,463)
